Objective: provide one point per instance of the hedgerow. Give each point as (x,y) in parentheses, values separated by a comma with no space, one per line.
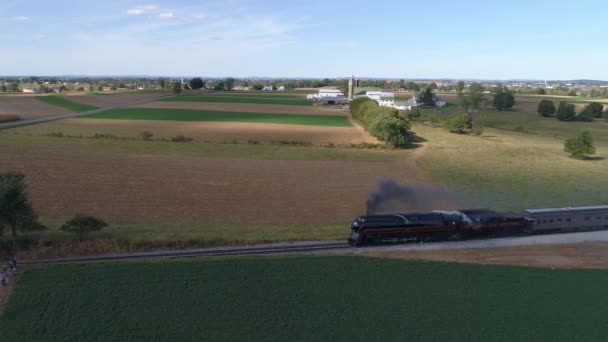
(382,122)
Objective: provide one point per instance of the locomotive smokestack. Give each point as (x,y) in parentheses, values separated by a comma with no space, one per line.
(393,197)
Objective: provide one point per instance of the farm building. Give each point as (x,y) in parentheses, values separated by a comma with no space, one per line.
(268,88)
(385,98)
(328,97)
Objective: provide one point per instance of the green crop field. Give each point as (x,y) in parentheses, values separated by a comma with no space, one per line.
(242,98)
(206,115)
(62,101)
(304,298)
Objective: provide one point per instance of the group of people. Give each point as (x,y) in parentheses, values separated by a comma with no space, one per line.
(8,271)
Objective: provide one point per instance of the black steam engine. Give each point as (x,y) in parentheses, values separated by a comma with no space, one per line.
(455,225)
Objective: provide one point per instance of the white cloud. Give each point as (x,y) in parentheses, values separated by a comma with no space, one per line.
(21,18)
(39,36)
(141,10)
(200,16)
(166,15)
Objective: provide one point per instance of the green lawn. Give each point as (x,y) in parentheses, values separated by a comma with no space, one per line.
(242,151)
(244,98)
(207,115)
(62,101)
(304,299)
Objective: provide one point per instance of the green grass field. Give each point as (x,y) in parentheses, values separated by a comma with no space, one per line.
(62,101)
(304,298)
(244,98)
(206,115)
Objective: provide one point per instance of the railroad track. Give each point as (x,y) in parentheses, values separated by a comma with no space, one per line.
(206,252)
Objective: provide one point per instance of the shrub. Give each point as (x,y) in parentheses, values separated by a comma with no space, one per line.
(104,136)
(82,224)
(546,108)
(520,128)
(180,139)
(580,146)
(146,135)
(462,124)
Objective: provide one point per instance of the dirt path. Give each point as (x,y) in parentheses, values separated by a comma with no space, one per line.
(582,255)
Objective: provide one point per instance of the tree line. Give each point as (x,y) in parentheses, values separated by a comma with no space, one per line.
(567,112)
(383,123)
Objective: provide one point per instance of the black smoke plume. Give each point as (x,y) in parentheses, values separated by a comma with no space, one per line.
(391,197)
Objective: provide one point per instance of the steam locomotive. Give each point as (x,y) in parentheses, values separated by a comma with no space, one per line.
(461,224)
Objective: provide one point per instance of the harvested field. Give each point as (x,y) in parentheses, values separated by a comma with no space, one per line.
(581,255)
(27,107)
(218,116)
(247,107)
(205,131)
(65,102)
(111,100)
(172,188)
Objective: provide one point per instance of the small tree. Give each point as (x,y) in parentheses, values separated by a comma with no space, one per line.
(257,86)
(503,99)
(580,146)
(593,110)
(546,108)
(391,129)
(177,88)
(196,83)
(229,83)
(462,124)
(219,85)
(16,212)
(426,98)
(434,120)
(566,111)
(82,224)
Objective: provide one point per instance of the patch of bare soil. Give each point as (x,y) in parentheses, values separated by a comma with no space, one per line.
(27,107)
(581,255)
(247,108)
(133,187)
(206,131)
(111,100)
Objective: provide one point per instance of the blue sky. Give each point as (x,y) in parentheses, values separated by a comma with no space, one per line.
(401,39)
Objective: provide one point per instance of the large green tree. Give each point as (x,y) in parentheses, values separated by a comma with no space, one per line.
(426,98)
(16,212)
(546,108)
(566,111)
(503,99)
(197,83)
(229,83)
(580,146)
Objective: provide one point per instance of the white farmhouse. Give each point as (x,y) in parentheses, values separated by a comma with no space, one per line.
(268,88)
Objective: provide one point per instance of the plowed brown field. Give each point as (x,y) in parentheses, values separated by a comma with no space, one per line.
(144,188)
(247,107)
(582,255)
(111,100)
(205,131)
(27,107)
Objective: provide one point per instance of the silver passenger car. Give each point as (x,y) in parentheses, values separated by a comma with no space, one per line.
(568,219)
